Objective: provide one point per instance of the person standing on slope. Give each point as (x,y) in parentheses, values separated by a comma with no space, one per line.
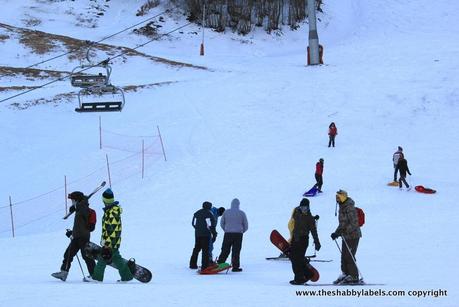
(111,240)
(204,224)
(79,235)
(349,230)
(318,175)
(301,224)
(395,158)
(403,169)
(234,223)
(332,133)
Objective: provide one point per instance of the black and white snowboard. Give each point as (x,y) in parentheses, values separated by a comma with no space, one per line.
(142,274)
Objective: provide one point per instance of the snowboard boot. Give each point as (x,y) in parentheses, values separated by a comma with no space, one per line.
(131,265)
(62,275)
(340,279)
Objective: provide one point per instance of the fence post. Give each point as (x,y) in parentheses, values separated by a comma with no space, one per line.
(108,170)
(65,193)
(100,132)
(12,221)
(143,157)
(162,145)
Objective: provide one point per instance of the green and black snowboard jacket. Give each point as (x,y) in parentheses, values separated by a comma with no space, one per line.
(111,226)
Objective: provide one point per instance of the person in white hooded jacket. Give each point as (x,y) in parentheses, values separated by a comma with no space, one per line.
(234,223)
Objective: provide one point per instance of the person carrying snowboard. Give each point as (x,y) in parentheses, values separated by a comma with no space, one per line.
(332,133)
(111,240)
(79,235)
(300,225)
(395,158)
(204,224)
(403,169)
(217,212)
(318,175)
(349,230)
(234,223)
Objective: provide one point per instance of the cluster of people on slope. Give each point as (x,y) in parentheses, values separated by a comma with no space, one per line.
(302,223)
(233,222)
(110,239)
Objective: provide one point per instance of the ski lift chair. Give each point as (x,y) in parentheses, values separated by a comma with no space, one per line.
(101,104)
(83,80)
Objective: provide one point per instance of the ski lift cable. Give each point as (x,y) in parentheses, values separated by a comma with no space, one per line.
(97,42)
(92,66)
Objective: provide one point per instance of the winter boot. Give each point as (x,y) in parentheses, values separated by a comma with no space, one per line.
(349,280)
(62,275)
(340,279)
(89,279)
(297,282)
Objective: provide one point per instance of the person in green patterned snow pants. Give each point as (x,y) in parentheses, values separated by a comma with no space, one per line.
(111,240)
(118,261)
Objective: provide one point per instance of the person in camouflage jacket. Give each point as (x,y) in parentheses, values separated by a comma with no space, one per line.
(111,240)
(349,230)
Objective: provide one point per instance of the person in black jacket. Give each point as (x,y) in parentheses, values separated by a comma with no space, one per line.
(79,235)
(204,223)
(303,223)
(403,169)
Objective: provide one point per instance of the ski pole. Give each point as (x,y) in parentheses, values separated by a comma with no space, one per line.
(81,268)
(352,256)
(337,245)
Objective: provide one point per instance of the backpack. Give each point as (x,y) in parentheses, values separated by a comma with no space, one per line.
(92,219)
(360,216)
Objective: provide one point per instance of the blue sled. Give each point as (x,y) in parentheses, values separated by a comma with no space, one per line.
(312,192)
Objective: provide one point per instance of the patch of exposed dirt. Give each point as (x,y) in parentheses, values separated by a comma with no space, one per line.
(3,37)
(16,88)
(43,42)
(31,73)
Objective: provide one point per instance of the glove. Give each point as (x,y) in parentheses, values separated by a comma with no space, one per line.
(72,209)
(316,217)
(334,236)
(68,233)
(106,254)
(317,244)
(214,238)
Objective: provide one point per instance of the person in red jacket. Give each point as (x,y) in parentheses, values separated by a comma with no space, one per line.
(318,174)
(332,132)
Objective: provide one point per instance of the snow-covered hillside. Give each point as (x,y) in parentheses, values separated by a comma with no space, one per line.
(247,120)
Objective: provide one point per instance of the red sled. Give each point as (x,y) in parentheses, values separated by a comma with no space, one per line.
(215,269)
(424,190)
(279,241)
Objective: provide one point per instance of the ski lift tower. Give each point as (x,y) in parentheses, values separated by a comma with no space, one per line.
(313,49)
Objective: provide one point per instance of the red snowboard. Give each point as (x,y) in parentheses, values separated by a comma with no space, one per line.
(279,241)
(424,190)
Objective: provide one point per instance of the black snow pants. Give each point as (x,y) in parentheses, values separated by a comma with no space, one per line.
(299,262)
(201,243)
(232,241)
(77,244)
